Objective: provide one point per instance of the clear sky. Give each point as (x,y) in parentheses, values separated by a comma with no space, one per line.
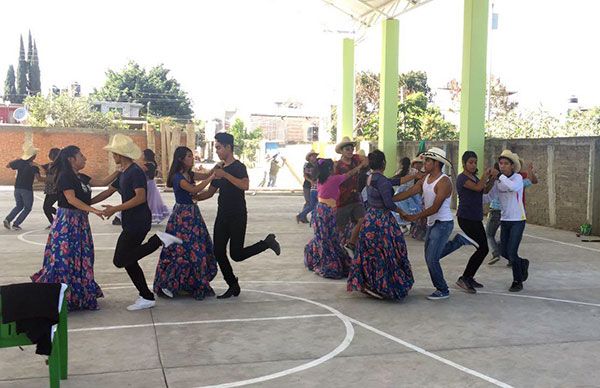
(248,54)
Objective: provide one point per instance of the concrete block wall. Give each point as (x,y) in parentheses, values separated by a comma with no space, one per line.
(567,195)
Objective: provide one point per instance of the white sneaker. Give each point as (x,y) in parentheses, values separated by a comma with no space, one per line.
(469,239)
(141,304)
(167,292)
(168,239)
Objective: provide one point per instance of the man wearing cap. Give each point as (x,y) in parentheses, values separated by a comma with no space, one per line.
(349,204)
(27,171)
(136,218)
(436,188)
(309,187)
(231,179)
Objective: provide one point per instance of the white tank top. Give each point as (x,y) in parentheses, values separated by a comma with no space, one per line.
(444,213)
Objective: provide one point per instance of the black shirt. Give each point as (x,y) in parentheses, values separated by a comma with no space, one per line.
(232,200)
(25,174)
(139,218)
(80,183)
(150,170)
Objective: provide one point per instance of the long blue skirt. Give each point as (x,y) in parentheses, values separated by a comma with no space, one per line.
(324,253)
(380,263)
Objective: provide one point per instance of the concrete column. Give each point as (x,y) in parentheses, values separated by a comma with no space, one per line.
(164,154)
(150,140)
(473,84)
(190,137)
(388,93)
(346,111)
(551,187)
(594,187)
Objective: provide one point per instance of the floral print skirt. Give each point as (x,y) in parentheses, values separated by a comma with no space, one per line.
(187,267)
(69,259)
(324,254)
(381,261)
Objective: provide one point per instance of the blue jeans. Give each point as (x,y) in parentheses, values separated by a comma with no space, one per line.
(511,233)
(310,206)
(435,242)
(24,199)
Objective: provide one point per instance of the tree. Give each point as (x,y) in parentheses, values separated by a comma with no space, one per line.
(35,83)
(10,90)
(499,101)
(22,71)
(155,87)
(69,112)
(367,102)
(246,143)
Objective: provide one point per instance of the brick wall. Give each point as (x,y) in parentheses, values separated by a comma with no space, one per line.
(565,199)
(91,141)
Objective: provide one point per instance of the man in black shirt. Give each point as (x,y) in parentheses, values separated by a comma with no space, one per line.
(27,171)
(232,216)
(136,218)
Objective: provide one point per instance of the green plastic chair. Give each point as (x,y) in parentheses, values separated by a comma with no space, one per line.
(58,360)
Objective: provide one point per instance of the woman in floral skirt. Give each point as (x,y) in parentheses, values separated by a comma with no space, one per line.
(380,266)
(191,266)
(69,253)
(324,254)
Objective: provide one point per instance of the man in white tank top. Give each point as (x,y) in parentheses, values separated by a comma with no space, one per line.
(436,188)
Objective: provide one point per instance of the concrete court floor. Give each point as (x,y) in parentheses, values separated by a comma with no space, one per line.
(291,328)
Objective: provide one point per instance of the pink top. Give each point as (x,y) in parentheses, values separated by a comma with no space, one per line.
(331,188)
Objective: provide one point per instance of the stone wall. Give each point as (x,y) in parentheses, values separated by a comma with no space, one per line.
(568,169)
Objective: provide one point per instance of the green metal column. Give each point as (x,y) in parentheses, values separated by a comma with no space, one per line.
(346,113)
(473,88)
(388,94)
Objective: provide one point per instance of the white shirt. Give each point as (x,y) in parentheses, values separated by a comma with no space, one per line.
(510,193)
(444,213)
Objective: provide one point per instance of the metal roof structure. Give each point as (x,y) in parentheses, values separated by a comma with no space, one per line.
(367,13)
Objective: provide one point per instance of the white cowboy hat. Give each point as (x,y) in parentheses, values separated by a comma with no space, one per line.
(514,158)
(436,154)
(345,141)
(310,153)
(29,151)
(124,145)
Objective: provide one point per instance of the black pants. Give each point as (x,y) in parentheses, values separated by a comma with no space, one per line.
(476,231)
(232,229)
(129,251)
(49,209)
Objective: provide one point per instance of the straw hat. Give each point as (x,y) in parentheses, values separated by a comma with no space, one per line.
(310,153)
(436,154)
(362,153)
(514,158)
(124,146)
(345,141)
(417,159)
(29,151)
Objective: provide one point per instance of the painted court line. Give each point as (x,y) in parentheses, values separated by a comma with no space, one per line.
(562,243)
(541,298)
(182,323)
(432,355)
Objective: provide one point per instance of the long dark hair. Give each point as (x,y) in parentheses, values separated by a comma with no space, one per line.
(177,165)
(324,167)
(405,162)
(61,164)
(53,154)
(149,156)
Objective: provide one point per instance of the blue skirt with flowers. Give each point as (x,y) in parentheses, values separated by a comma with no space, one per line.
(381,260)
(187,267)
(324,254)
(69,259)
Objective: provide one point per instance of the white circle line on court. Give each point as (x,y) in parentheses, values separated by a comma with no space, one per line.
(22,238)
(120,286)
(183,323)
